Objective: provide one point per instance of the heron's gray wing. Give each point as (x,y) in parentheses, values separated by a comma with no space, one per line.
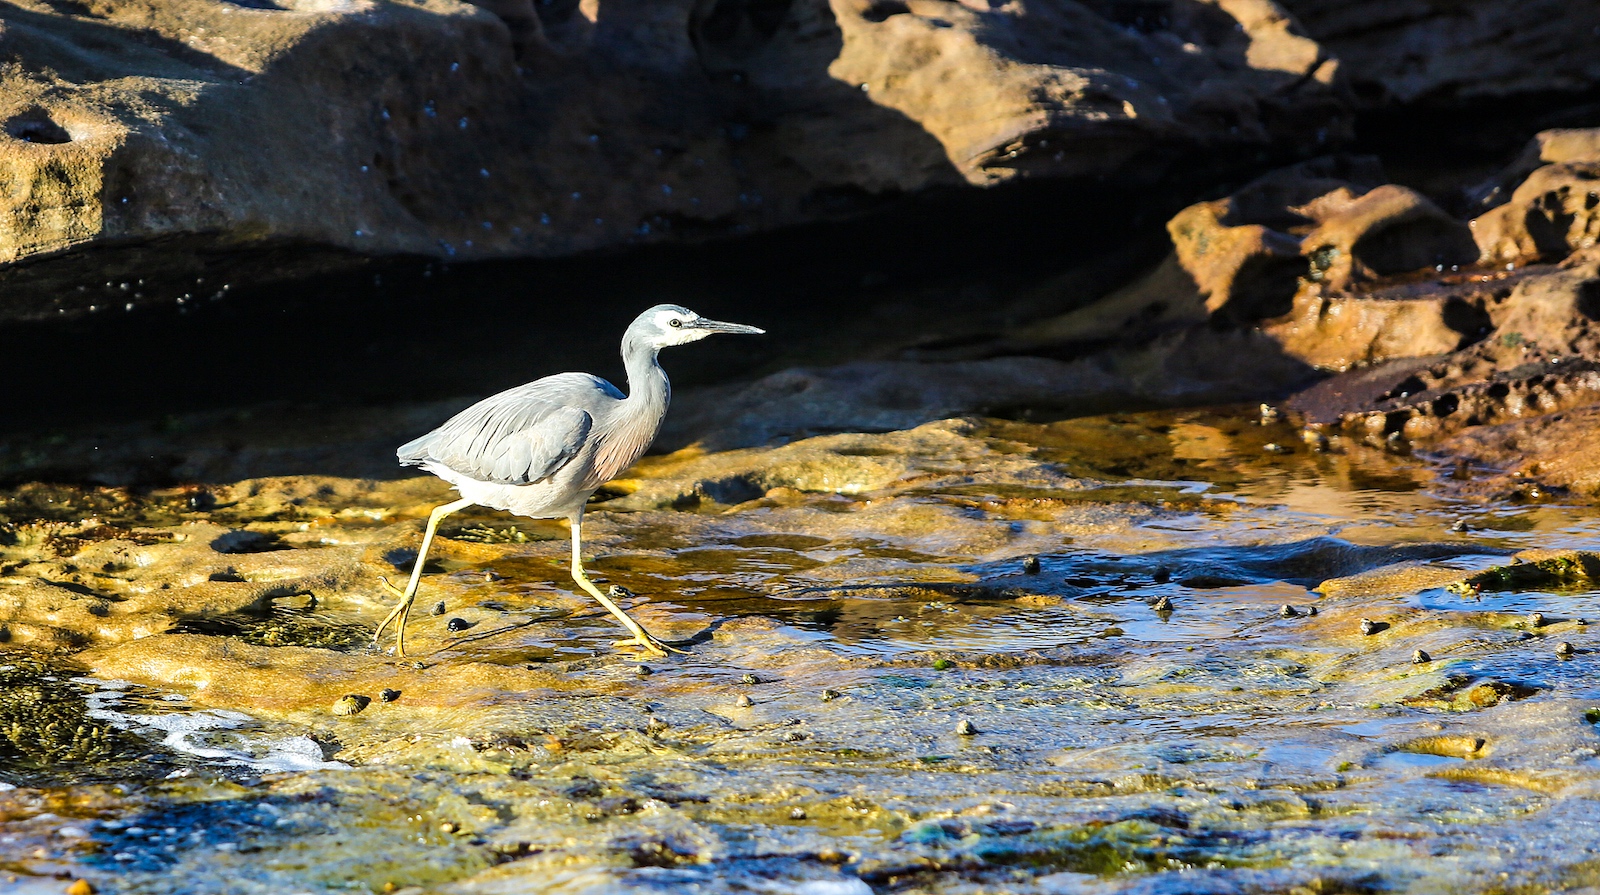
(520,436)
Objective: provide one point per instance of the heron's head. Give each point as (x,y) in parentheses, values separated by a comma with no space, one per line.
(665,325)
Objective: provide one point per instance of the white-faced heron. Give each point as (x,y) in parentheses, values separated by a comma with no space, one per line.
(540,450)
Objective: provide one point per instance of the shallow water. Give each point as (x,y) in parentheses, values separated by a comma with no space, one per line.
(877,694)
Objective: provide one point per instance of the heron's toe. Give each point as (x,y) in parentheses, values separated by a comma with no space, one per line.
(650,645)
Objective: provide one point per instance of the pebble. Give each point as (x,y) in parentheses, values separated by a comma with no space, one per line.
(1288,611)
(644,671)
(943,665)
(448,827)
(1369,627)
(1030,564)
(1564,649)
(458,624)
(830,695)
(1421,657)
(389,695)
(618,592)
(438,608)
(1269,414)
(81,887)
(1163,605)
(1311,610)
(966,728)
(797,814)
(743,701)
(749,679)
(1162,575)
(1536,620)
(350,704)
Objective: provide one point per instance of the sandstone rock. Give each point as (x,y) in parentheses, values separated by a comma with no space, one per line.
(182,140)
(1555,211)
(1243,251)
(1546,148)
(1453,54)
(1388,230)
(1537,351)
(1295,242)
(1560,450)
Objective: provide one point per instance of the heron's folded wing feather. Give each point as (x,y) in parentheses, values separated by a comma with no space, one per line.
(512,438)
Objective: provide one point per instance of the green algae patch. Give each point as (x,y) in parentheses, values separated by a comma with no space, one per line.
(46,729)
(1460,693)
(280,627)
(1536,569)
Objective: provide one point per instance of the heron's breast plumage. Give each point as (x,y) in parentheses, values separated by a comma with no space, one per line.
(620,446)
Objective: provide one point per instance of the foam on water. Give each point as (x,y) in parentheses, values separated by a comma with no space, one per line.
(212,734)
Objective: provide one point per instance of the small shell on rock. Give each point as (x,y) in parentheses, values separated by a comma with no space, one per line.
(1421,657)
(618,592)
(1269,414)
(1369,627)
(644,671)
(830,695)
(1162,605)
(458,624)
(743,701)
(749,679)
(797,814)
(389,695)
(1030,564)
(350,704)
(1311,610)
(1564,649)
(448,827)
(1288,611)
(966,728)
(438,608)
(1536,620)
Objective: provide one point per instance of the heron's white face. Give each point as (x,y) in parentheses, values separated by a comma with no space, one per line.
(678,327)
(665,325)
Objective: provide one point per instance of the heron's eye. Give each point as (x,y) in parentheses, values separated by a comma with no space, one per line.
(674,323)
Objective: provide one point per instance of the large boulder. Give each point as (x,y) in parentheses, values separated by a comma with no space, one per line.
(184,138)
(1457,53)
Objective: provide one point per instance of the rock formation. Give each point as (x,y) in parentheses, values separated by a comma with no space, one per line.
(176,141)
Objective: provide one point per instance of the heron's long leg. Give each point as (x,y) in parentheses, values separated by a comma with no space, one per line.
(641,637)
(403,609)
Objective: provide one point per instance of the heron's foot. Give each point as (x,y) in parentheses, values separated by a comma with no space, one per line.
(649,644)
(400,611)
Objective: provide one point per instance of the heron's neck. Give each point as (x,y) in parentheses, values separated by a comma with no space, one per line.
(647,382)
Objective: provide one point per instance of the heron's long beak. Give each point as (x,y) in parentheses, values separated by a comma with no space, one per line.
(717,326)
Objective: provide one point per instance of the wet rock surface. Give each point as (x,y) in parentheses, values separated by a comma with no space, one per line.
(880,694)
